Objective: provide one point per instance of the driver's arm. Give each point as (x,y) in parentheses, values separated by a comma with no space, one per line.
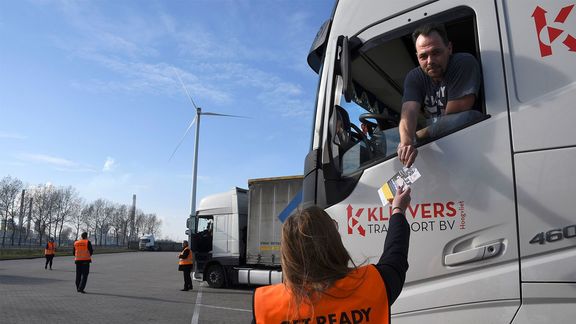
(406,149)
(461,104)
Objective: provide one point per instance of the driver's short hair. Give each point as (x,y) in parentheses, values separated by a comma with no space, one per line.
(427,29)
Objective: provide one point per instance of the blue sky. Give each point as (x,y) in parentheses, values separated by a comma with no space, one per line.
(89,95)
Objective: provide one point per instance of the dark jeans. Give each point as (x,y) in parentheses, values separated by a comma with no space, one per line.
(49,261)
(82,270)
(187,278)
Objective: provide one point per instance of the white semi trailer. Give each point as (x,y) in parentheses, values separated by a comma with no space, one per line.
(492,217)
(235,235)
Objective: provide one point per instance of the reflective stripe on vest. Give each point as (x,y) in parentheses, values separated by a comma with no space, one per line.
(51,250)
(81,252)
(360,297)
(188,260)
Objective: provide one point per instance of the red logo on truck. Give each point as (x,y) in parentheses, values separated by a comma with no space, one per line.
(423,217)
(539,16)
(354,221)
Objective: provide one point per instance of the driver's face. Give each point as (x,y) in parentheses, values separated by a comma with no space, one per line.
(433,55)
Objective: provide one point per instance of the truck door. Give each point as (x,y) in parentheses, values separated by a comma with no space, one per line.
(541,37)
(220,239)
(464,250)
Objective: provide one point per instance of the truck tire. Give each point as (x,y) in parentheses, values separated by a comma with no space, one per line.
(215,276)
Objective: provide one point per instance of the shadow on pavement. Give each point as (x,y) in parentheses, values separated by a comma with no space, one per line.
(21,280)
(190,302)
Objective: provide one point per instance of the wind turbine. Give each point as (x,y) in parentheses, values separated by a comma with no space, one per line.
(195,121)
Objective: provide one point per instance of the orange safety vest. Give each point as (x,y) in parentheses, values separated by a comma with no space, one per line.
(189,260)
(81,252)
(360,297)
(51,250)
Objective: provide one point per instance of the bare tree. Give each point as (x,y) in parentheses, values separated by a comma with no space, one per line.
(84,219)
(95,218)
(65,233)
(119,223)
(139,223)
(9,190)
(68,205)
(152,224)
(44,202)
(61,212)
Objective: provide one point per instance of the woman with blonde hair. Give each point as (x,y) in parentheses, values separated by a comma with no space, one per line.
(321,282)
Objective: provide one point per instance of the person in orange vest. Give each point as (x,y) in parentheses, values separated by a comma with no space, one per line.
(185,264)
(319,285)
(49,252)
(82,257)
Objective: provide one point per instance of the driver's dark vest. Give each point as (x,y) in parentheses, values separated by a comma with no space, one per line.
(360,297)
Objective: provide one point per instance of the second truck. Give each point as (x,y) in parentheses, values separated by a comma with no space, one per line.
(235,235)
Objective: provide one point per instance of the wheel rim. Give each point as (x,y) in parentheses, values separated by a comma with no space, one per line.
(215,277)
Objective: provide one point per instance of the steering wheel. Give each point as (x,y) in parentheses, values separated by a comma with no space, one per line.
(383,121)
(359,135)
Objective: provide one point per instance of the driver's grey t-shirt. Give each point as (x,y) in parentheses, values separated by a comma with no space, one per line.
(462,77)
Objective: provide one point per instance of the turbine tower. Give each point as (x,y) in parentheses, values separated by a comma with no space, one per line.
(196,122)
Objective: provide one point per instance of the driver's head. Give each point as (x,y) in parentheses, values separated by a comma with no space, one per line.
(433,49)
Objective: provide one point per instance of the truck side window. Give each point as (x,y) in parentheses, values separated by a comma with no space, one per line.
(379,67)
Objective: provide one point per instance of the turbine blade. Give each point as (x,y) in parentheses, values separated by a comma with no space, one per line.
(223,115)
(182,139)
(185,89)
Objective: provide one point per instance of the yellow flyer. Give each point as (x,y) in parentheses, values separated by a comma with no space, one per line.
(405,177)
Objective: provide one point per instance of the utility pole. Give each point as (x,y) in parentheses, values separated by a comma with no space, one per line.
(21,216)
(132,216)
(29,218)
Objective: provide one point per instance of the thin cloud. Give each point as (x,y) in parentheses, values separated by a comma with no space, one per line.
(53,160)
(12,136)
(58,163)
(109,164)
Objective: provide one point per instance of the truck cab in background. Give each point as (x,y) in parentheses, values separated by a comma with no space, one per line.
(235,235)
(493,226)
(147,243)
(218,232)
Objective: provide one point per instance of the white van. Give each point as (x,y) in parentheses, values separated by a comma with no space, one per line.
(493,225)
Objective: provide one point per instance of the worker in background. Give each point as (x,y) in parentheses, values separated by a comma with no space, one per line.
(49,252)
(320,287)
(185,265)
(82,257)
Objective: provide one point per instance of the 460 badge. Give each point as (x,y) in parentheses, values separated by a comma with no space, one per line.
(554,235)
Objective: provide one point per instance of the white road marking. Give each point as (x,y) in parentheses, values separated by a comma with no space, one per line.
(226,308)
(196,307)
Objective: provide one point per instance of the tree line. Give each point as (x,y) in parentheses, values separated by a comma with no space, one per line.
(29,215)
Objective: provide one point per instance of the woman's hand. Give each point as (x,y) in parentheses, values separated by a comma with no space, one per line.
(401,199)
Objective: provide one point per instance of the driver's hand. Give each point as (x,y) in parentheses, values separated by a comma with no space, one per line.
(407,154)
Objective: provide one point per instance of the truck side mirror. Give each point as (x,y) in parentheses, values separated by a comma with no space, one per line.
(344,68)
(191,225)
(318,48)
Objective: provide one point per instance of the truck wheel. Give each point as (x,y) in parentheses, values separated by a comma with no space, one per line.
(215,276)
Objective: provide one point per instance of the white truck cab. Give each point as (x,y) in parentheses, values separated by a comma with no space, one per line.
(493,227)
(147,243)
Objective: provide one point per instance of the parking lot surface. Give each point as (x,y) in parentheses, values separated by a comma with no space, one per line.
(137,287)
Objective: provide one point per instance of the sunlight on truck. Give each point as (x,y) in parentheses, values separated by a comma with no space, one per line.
(492,217)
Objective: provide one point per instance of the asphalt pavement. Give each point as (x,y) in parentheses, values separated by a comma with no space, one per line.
(136,287)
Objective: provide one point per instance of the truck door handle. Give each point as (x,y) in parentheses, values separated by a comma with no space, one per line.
(475,254)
